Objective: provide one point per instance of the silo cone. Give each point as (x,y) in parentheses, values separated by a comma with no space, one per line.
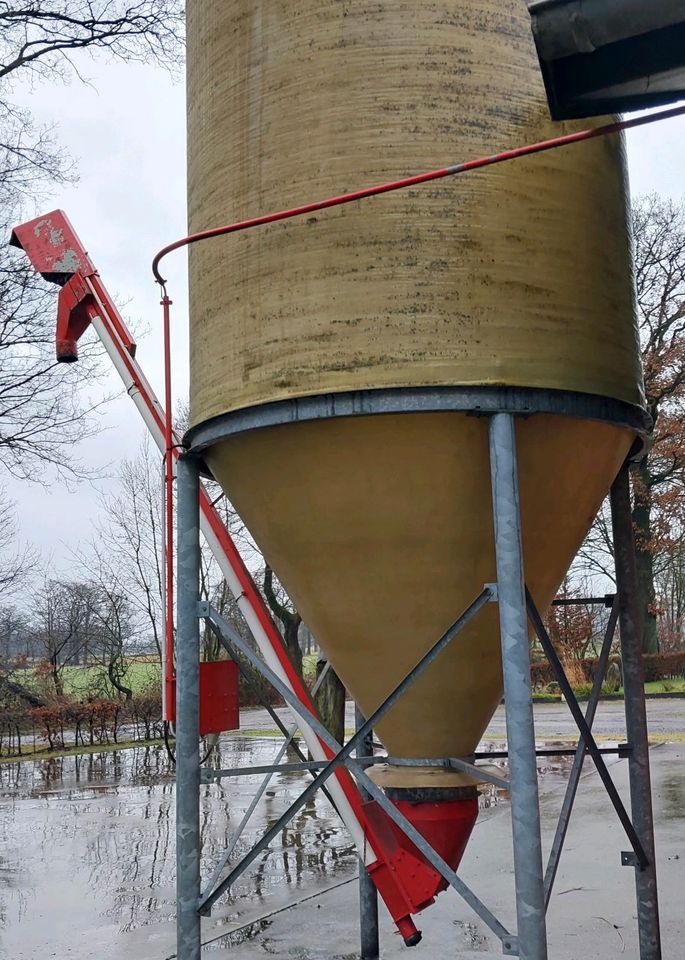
(339,362)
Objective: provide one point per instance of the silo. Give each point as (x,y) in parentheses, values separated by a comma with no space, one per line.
(341,366)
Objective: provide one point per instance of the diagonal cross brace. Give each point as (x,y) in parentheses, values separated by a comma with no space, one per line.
(230,638)
(288,742)
(585,732)
(577,768)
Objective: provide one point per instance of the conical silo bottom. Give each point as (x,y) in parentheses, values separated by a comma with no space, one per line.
(380,528)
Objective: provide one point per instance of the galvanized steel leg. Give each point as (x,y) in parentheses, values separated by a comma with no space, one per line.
(188,713)
(636,715)
(525,813)
(368,895)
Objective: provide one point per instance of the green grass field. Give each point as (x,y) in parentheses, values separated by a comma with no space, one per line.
(664,686)
(80,682)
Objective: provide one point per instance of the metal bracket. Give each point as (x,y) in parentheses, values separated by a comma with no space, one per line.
(510,947)
(494,594)
(204,609)
(629,859)
(478,772)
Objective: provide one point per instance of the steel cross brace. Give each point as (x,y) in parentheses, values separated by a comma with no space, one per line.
(231,641)
(454,763)
(207,775)
(581,749)
(585,732)
(289,736)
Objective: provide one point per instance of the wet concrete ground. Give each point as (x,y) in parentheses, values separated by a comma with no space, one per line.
(552,720)
(87,860)
(592,910)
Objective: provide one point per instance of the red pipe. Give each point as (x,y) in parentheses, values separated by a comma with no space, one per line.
(450,171)
(168,510)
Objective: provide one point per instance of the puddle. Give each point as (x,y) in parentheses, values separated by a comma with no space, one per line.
(88,859)
(87,866)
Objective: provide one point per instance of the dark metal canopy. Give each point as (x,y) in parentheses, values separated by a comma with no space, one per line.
(609,56)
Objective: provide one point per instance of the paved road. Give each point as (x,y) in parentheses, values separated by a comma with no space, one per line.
(552,720)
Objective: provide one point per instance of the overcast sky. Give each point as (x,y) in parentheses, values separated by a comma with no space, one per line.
(126,132)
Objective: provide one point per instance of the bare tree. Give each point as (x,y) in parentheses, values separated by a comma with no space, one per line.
(130,538)
(17,648)
(16,560)
(596,554)
(41,35)
(658,480)
(44,407)
(63,617)
(111,640)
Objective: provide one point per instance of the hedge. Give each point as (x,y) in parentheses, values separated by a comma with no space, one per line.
(89,722)
(664,666)
(657,666)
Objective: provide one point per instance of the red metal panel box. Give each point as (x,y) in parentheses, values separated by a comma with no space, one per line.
(219,697)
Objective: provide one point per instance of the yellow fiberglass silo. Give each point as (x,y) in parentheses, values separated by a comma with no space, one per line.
(337,361)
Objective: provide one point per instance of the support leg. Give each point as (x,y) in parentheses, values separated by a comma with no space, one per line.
(525,813)
(368,895)
(636,715)
(188,714)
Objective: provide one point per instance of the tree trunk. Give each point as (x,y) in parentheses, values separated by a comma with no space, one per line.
(117,684)
(57,681)
(644,560)
(19,691)
(330,702)
(290,621)
(291,629)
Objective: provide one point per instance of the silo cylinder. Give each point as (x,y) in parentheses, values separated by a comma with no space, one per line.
(339,362)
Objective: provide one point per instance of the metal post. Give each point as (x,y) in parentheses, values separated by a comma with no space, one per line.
(368,895)
(525,812)
(188,712)
(636,714)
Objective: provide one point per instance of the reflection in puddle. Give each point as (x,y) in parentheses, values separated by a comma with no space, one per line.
(89,855)
(88,858)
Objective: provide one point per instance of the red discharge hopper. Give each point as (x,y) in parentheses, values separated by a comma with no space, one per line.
(447,826)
